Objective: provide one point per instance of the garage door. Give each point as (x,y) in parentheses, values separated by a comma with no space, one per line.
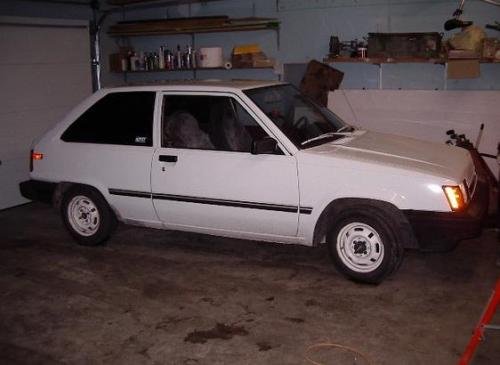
(44,72)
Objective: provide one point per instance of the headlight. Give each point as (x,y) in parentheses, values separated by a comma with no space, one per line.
(455,197)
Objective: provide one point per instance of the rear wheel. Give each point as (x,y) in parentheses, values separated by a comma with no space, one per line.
(363,245)
(87,216)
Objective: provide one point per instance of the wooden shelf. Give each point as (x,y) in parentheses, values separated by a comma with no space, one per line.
(128,2)
(168,27)
(162,2)
(195,69)
(193,26)
(379,60)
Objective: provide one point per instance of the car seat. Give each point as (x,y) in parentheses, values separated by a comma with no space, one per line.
(226,132)
(184,131)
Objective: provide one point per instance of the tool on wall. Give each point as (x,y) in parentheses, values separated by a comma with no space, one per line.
(457,22)
(479,135)
(460,140)
(495,26)
(354,48)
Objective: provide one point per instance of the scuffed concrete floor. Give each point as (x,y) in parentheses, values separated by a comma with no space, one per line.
(158,297)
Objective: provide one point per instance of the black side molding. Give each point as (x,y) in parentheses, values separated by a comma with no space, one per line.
(211,201)
(131,193)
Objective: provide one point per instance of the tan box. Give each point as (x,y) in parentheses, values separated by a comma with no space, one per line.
(490,47)
(263,63)
(463,69)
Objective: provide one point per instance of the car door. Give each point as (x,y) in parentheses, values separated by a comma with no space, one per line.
(110,147)
(205,179)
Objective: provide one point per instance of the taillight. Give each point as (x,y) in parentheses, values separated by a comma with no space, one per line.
(35,156)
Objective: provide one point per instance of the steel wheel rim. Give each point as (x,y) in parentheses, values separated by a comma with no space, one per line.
(359,247)
(83,215)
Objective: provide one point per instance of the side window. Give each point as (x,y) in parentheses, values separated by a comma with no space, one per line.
(208,122)
(122,118)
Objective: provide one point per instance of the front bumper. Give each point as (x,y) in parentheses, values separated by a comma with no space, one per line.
(433,229)
(42,191)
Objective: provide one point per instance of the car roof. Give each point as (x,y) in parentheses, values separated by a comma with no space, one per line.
(197,85)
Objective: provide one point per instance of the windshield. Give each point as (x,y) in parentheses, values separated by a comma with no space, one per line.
(304,122)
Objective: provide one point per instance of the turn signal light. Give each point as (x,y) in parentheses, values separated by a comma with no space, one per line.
(455,197)
(35,156)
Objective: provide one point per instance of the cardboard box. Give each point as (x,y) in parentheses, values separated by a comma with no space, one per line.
(115,62)
(463,69)
(263,63)
(116,59)
(490,47)
(462,54)
(249,60)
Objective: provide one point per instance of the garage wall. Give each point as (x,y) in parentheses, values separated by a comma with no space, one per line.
(424,114)
(306,27)
(45,71)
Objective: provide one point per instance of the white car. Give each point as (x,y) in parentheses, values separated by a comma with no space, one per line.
(254,160)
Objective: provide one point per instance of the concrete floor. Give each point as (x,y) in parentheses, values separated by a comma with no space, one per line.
(158,297)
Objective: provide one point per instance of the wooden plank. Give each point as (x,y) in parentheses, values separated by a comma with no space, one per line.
(197,69)
(159,27)
(138,4)
(378,61)
(169,24)
(128,2)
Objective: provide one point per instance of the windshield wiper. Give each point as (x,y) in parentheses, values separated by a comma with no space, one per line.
(346,128)
(340,133)
(321,136)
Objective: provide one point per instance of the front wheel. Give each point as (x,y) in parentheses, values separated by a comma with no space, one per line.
(363,245)
(87,216)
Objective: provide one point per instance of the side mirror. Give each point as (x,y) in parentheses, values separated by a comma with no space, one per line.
(263,146)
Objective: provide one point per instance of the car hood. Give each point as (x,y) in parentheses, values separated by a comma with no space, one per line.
(401,152)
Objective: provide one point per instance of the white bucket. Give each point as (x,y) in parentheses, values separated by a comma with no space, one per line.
(211,57)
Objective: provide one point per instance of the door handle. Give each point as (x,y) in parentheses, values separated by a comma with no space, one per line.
(167,158)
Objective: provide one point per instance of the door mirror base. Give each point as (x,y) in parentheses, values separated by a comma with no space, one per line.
(264,146)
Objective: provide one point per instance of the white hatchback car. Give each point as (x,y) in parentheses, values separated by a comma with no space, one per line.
(254,160)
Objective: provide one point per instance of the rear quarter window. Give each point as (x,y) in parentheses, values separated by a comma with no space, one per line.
(121,118)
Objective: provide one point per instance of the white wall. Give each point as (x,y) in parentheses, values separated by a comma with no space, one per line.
(424,114)
(44,72)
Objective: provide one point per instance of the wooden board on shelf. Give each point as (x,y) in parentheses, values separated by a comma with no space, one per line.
(158,25)
(378,61)
(134,2)
(128,2)
(191,25)
(197,69)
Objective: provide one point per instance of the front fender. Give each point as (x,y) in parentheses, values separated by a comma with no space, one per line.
(320,186)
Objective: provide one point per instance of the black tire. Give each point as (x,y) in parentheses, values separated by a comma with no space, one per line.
(377,244)
(96,222)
